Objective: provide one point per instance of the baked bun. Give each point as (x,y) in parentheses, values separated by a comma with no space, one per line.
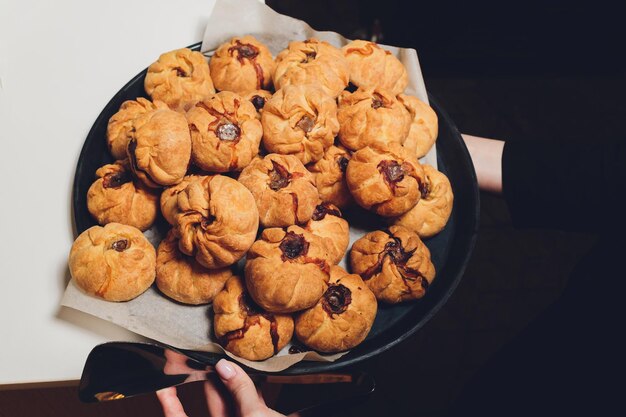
(385,179)
(258,98)
(424,125)
(330,176)
(120,126)
(169,198)
(283,189)
(115,262)
(300,120)
(287,270)
(180,78)
(225,132)
(244,329)
(241,65)
(160,148)
(369,116)
(342,318)
(372,67)
(115,198)
(217,220)
(395,264)
(183,279)
(431,213)
(312,62)
(327,222)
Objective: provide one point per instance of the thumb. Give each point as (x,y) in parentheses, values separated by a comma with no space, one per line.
(239,384)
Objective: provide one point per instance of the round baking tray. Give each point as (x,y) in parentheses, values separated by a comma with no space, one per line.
(450,249)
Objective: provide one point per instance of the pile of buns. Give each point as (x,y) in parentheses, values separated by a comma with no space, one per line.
(261,170)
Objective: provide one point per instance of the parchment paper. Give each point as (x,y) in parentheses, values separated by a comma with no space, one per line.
(190,327)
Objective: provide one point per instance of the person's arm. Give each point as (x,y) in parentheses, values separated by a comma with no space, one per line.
(572,186)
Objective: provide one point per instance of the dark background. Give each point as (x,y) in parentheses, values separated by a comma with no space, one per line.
(506,70)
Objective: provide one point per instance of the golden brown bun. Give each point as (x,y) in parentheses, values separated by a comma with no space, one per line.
(328,223)
(180,78)
(371,67)
(216,220)
(369,116)
(160,148)
(424,125)
(115,262)
(120,126)
(258,98)
(330,176)
(287,270)
(169,198)
(182,278)
(312,62)
(225,132)
(115,198)
(300,120)
(385,179)
(395,264)
(245,330)
(431,213)
(241,65)
(342,318)
(283,189)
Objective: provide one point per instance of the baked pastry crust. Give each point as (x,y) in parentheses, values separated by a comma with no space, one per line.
(431,213)
(287,270)
(371,67)
(169,198)
(120,126)
(115,262)
(342,318)
(244,329)
(183,279)
(160,148)
(369,116)
(258,98)
(395,264)
(179,78)
(424,125)
(385,179)
(300,120)
(312,62)
(328,223)
(115,198)
(225,132)
(283,189)
(216,221)
(330,176)
(241,65)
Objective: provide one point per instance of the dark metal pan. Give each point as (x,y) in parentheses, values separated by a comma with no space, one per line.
(450,249)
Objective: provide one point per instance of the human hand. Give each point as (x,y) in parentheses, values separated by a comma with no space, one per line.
(239,398)
(487,159)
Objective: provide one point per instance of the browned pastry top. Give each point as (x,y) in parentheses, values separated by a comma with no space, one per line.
(431,213)
(216,220)
(225,132)
(371,115)
(300,120)
(283,189)
(244,329)
(328,223)
(385,179)
(330,176)
(241,65)
(180,78)
(312,62)
(287,270)
(115,262)
(394,263)
(342,318)
(424,125)
(116,198)
(372,67)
